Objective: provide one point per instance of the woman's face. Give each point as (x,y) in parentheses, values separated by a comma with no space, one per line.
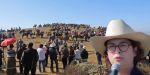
(118,57)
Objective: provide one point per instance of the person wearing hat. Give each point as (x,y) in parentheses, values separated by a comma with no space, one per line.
(84,54)
(122,46)
(19,54)
(11,61)
(29,59)
(53,56)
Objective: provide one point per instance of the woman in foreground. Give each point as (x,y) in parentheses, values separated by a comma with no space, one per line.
(122,46)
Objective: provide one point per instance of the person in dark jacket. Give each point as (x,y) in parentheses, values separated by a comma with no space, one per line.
(53,56)
(84,54)
(99,58)
(65,55)
(71,54)
(57,45)
(29,59)
(1,59)
(19,54)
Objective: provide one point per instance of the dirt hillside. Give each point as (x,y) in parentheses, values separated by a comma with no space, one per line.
(92,54)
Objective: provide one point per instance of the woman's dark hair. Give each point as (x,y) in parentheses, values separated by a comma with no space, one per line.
(11,46)
(71,51)
(139,53)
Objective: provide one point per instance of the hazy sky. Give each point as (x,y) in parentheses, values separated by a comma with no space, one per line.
(26,13)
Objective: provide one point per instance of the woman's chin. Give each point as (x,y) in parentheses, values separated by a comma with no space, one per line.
(119,63)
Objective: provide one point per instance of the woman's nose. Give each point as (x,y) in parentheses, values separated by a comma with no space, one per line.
(117,50)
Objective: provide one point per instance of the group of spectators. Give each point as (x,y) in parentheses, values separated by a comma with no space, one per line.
(28,56)
(8,35)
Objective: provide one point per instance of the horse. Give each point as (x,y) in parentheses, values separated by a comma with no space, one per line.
(58,34)
(48,34)
(39,34)
(74,36)
(34,26)
(52,29)
(22,31)
(81,36)
(25,34)
(40,25)
(63,37)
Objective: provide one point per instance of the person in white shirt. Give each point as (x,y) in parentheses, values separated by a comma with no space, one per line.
(77,54)
(41,53)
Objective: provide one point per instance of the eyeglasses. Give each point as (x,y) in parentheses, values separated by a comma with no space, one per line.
(122,47)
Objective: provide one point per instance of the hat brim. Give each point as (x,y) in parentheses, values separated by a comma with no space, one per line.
(97,42)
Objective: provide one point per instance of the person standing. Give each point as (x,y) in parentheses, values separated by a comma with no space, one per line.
(60,42)
(78,54)
(81,44)
(20,43)
(53,38)
(17,46)
(41,53)
(65,37)
(57,45)
(84,54)
(19,54)
(1,59)
(31,34)
(65,55)
(99,58)
(29,59)
(45,47)
(11,63)
(71,54)
(53,56)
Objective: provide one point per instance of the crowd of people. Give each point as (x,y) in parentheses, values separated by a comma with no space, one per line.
(7,35)
(28,56)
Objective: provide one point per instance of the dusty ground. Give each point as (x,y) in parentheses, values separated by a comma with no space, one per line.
(92,54)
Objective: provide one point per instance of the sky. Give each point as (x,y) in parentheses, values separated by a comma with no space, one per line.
(26,13)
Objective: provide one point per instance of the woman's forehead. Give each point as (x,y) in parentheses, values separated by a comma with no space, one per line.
(118,40)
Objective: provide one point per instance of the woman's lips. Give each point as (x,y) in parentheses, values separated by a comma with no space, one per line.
(118,58)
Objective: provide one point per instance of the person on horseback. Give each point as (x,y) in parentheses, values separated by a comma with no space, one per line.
(53,37)
(76,34)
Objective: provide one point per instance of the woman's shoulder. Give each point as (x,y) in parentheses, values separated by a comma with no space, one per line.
(136,71)
(10,50)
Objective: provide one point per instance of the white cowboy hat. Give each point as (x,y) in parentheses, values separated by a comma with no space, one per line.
(84,47)
(52,45)
(119,29)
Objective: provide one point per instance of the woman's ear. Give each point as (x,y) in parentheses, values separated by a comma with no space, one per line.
(135,51)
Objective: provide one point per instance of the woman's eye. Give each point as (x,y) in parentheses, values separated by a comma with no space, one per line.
(111,46)
(123,45)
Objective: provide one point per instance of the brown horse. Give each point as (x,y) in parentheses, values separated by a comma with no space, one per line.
(74,36)
(63,37)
